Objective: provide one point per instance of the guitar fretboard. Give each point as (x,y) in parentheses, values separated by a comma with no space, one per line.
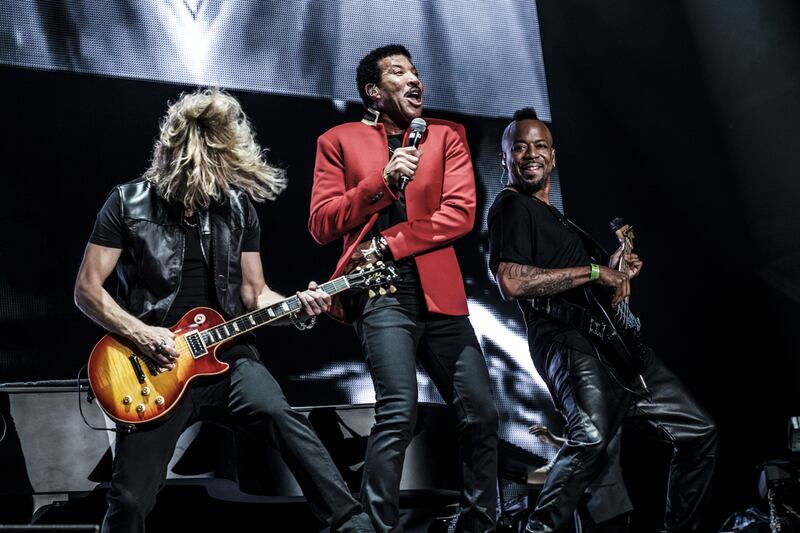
(265,315)
(624,314)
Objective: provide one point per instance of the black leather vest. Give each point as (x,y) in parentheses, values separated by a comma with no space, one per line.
(150,266)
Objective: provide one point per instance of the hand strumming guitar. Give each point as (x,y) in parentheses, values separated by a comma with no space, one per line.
(157,343)
(616,280)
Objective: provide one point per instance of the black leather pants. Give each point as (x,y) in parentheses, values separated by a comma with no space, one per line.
(595,405)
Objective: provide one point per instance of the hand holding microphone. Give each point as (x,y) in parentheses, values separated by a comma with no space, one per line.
(401,168)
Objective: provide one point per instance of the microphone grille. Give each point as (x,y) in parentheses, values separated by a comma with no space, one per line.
(419,125)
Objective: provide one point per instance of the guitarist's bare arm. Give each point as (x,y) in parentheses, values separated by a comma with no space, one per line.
(96,303)
(257,294)
(527,281)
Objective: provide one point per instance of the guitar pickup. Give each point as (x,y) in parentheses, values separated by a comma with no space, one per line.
(196,344)
(137,368)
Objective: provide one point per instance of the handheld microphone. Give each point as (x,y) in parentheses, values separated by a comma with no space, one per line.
(418,127)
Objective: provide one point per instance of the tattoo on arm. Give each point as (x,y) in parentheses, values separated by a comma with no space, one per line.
(527,281)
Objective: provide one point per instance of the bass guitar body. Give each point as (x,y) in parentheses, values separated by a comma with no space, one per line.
(132,389)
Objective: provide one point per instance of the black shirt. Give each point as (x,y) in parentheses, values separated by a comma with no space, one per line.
(527,231)
(196,288)
(396,212)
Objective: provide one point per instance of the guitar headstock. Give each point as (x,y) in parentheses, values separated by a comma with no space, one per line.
(376,277)
(623,231)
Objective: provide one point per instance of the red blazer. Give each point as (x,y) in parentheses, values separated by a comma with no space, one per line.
(349,192)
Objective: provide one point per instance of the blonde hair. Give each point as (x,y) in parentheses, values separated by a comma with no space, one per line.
(206,149)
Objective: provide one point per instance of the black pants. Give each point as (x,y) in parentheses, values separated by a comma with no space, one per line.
(247,398)
(595,405)
(392,339)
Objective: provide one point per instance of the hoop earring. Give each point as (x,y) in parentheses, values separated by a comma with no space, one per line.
(501,177)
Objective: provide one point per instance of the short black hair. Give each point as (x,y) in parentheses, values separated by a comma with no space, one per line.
(368,71)
(526,113)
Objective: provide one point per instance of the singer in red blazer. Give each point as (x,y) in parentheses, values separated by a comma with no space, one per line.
(355,197)
(349,192)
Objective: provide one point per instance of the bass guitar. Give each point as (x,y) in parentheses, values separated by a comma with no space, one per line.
(627,349)
(132,389)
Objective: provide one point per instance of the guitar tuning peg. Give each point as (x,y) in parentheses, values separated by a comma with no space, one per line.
(382,291)
(371,293)
(392,289)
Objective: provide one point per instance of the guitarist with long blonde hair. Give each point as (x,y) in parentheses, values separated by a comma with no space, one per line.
(182,237)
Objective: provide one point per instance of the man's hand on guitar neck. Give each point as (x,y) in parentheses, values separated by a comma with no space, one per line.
(314,300)
(632,262)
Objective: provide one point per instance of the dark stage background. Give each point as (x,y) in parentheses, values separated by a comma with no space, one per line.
(681,117)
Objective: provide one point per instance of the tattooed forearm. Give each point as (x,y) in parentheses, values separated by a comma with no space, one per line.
(528,281)
(545,285)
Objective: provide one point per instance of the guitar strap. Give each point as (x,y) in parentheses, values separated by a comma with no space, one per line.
(593,248)
(596,252)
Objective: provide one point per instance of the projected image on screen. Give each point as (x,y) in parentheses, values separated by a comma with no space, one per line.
(479,62)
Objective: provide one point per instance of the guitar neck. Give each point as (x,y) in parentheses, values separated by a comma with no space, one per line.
(627,248)
(265,315)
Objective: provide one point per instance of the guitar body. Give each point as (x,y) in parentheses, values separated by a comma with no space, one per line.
(625,351)
(131,389)
(132,395)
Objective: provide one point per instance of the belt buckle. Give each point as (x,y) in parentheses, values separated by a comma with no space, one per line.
(597,328)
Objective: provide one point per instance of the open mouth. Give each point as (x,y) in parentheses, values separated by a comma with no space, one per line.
(414,97)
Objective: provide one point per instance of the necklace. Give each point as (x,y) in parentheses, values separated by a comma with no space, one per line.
(189,222)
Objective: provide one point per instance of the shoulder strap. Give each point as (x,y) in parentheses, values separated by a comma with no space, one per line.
(593,248)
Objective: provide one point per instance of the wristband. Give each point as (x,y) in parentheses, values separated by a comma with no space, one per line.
(595,272)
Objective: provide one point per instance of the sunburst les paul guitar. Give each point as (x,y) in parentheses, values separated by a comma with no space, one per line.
(132,389)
